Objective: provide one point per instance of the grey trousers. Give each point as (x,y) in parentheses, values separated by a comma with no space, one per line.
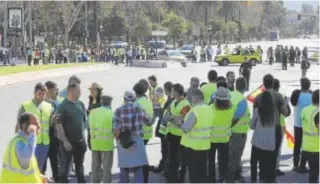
(236,147)
(104,159)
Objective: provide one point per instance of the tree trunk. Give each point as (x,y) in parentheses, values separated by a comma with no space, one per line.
(66,37)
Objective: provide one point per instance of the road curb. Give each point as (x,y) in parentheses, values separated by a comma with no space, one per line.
(12,79)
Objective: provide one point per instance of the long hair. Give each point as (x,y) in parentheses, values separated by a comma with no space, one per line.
(265,109)
(98,98)
(222,104)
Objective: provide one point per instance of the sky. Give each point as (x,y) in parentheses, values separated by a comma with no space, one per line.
(296,5)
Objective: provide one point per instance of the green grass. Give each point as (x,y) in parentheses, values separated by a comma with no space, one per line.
(6,70)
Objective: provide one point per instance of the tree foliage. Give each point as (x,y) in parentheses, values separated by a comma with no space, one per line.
(176,25)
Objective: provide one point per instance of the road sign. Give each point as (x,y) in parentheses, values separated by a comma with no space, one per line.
(159,33)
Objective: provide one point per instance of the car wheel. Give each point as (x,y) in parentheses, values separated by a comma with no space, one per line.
(253,62)
(225,62)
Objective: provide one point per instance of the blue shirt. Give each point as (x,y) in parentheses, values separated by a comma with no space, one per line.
(304,100)
(241,107)
(64,93)
(24,151)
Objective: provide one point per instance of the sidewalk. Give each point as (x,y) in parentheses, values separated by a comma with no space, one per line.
(11,79)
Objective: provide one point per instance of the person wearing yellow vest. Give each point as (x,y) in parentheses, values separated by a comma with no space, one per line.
(210,87)
(276,88)
(176,112)
(19,162)
(310,138)
(43,111)
(196,137)
(146,105)
(239,129)
(223,114)
(156,96)
(102,141)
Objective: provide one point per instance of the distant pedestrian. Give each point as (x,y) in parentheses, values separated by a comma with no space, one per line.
(30,53)
(245,71)
(127,123)
(305,65)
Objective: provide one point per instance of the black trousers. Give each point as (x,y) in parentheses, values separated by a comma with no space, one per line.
(54,156)
(267,166)
(223,151)
(247,77)
(176,160)
(313,161)
(297,162)
(77,153)
(29,59)
(197,167)
(35,61)
(267,160)
(284,65)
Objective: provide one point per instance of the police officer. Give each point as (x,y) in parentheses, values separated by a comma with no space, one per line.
(100,127)
(245,70)
(285,54)
(42,110)
(17,168)
(146,105)
(310,140)
(210,87)
(174,115)
(196,139)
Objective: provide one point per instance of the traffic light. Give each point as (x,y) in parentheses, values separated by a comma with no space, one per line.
(299,16)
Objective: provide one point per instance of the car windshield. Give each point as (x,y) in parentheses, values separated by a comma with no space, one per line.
(187,47)
(175,53)
(160,45)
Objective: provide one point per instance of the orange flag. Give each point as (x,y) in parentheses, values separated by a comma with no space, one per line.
(253,95)
(252,98)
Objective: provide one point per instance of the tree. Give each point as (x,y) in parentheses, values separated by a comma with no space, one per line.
(232,29)
(114,25)
(142,26)
(176,25)
(70,11)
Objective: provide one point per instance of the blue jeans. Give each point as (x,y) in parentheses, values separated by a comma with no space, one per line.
(41,155)
(137,173)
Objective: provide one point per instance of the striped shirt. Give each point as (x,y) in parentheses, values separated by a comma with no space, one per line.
(263,137)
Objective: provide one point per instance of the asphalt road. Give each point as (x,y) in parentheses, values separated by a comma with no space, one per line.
(117,79)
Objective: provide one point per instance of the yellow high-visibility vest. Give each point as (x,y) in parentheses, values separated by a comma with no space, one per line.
(12,172)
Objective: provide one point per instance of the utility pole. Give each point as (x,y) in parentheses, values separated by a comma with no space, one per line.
(30,21)
(5,23)
(86,23)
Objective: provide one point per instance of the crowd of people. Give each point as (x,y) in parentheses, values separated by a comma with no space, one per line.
(205,120)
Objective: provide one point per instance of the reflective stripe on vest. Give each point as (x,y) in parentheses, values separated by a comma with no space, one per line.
(152,94)
(101,134)
(310,140)
(175,111)
(199,137)
(222,120)
(44,116)
(163,129)
(9,166)
(146,105)
(242,126)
